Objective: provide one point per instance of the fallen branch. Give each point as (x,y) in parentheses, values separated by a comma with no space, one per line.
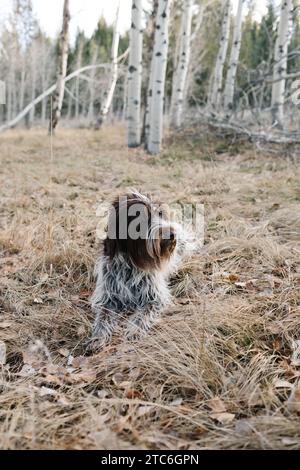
(50,90)
(280,137)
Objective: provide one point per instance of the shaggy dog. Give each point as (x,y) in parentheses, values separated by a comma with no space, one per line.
(142,248)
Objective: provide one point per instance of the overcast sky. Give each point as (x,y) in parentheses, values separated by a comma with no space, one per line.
(85,13)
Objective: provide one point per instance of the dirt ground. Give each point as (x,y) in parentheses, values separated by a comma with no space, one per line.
(221,370)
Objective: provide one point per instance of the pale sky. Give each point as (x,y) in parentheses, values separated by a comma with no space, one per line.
(85,13)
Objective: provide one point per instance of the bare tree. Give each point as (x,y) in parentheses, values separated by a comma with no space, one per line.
(135,71)
(114,74)
(34,69)
(280,65)
(181,72)
(148,59)
(94,51)
(58,95)
(158,77)
(78,65)
(216,90)
(234,58)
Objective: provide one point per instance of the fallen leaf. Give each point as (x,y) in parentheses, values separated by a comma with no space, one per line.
(27,371)
(144,410)
(230,277)
(243,427)
(81,331)
(70,360)
(216,405)
(64,352)
(102,393)
(266,293)
(83,378)
(62,400)
(277,344)
(44,278)
(52,379)
(289,442)
(293,402)
(120,381)
(80,362)
(295,358)
(84,293)
(45,392)
(176,402)
(233,277)
(241,284)
(131,393)
(282,384)
(5,324)
(36,354)
(2,353)
(223,418)
(275,282)
(123,424)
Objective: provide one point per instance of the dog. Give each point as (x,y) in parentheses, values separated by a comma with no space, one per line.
(140,252)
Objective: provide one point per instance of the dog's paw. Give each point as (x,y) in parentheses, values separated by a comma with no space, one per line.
(94,345)
(134,332)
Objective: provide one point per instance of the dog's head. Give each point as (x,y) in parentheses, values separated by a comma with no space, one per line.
(140,229)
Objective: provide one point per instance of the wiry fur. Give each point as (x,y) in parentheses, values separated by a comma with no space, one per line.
(132,279)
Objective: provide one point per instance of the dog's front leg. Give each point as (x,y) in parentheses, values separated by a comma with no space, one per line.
(140,323)
(104,325)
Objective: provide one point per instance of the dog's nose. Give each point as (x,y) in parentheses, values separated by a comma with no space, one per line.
(172,234)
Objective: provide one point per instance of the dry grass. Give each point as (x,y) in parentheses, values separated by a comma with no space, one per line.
(220,371)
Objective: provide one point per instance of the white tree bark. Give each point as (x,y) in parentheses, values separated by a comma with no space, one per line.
(280,66)
(92,84)
(78,65)
(216,91)
(150,29)
(182,68)
(158,77)
(33,80)
(135,71)
(58,95)
(234,58)
(114,76)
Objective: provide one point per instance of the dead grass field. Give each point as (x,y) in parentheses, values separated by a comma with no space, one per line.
(221,370)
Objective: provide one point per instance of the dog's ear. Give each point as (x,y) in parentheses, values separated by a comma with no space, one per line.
(110,247)
(167,243)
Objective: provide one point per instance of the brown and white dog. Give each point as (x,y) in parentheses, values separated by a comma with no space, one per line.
(142,248)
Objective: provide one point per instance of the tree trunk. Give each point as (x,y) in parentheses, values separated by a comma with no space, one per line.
(150,29)
(92,84)
(22,87)
(181,71)
(135,71)
(33,83)
(280,66)
(78,65)
(70,103)
(234,58)
(114,75)
(216,91)
(44,81)
(158,77)
(58,96)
